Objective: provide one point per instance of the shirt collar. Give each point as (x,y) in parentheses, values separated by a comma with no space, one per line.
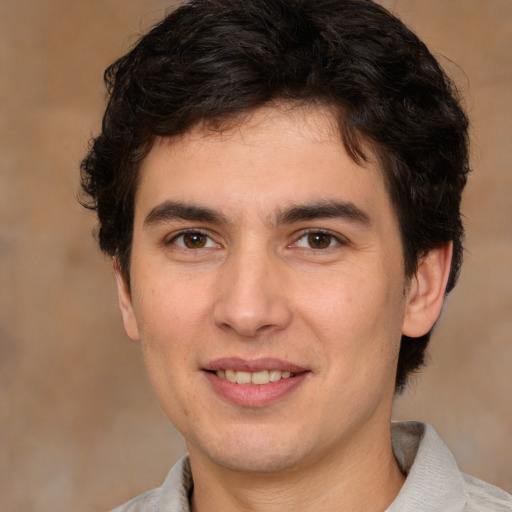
(434,481)
(177,488)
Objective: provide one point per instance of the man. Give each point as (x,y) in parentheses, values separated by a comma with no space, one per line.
(278,183)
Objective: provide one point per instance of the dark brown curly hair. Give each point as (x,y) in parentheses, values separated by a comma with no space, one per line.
(217,60)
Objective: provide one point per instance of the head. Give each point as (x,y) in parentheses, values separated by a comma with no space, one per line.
(217,61)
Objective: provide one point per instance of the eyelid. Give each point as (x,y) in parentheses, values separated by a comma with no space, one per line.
(340,239)
(171,239)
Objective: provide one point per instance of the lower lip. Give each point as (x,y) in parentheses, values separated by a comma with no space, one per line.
(254,395)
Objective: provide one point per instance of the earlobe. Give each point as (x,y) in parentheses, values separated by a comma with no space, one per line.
(125,302)
(426,291)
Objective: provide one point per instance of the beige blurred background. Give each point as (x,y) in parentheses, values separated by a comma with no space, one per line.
(79,427)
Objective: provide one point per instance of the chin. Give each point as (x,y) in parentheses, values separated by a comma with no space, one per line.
(255,454)
(263,463)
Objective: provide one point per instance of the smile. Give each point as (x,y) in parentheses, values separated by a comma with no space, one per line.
(254,383)
(260,377)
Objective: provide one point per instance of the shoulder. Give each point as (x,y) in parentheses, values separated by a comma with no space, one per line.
(484,497)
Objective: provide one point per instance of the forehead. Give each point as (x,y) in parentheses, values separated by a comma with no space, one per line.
(274,156)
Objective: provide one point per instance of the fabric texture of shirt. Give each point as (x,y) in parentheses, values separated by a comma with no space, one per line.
(433,484)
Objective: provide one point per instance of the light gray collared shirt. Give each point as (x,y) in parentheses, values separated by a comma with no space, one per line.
(434,482)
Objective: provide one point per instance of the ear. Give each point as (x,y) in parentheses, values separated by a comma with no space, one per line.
(125,302)
(426,291)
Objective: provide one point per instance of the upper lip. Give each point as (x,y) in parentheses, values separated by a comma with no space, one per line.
(254,365)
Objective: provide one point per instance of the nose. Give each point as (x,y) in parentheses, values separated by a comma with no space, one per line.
(252,295)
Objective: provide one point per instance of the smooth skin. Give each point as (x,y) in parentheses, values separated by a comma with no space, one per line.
(266,240)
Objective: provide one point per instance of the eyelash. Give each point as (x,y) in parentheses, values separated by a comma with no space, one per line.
(336,238)
(197,232)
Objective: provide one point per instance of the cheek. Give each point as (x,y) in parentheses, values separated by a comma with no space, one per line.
(170,326)
(343,302)
(357,317)
(171,309)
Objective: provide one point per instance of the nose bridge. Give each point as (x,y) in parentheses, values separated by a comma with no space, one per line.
(252,297)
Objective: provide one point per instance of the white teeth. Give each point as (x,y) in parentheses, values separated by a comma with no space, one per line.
(230,375)
(243,378)
(275,375)
(261,377)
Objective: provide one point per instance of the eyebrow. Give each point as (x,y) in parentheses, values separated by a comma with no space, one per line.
(323,210)
(172,210)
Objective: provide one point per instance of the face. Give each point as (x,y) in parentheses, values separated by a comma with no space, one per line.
(268,291)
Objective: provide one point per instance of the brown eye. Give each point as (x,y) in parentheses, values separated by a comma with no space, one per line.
(194,240)
(319,240)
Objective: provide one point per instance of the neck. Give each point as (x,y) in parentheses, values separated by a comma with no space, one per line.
(365,478)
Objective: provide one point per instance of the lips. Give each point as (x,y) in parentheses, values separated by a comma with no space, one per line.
(254,383)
